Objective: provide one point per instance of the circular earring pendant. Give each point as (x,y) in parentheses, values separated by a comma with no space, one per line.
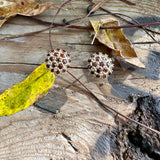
(58,60)
(100,65)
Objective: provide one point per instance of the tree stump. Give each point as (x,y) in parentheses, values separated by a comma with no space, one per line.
(82,130)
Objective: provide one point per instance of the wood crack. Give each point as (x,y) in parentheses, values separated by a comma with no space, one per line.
(69,141)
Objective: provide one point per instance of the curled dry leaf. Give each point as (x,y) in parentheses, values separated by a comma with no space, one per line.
(10,8)
(114,39)
(25,93)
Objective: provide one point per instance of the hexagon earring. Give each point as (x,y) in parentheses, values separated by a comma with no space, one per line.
(58,61)
(100,65)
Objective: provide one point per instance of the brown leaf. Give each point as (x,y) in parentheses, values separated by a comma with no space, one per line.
(114,39)
(10,8)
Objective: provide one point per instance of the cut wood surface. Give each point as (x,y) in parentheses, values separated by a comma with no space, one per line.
(81,129)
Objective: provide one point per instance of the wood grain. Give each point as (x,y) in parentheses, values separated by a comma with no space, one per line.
(82,129)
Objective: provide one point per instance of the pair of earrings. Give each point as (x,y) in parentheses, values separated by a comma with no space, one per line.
(100,64)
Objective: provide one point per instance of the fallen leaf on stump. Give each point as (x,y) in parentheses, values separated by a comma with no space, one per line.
(10,8)
(25,93)
(114,39)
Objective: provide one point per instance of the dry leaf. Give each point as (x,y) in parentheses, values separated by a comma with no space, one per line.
(25,93)
(114,39)
(10,8)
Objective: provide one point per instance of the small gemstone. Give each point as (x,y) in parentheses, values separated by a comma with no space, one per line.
(58,72)
(98,76)
(52,70)
(64,61)
(89,60)
(60,66)
(92,72)
(105,70)
(108,64)
(68,55)
(58,59)
(56,54)
(97,58)
(98,70)
(51,58)
(54,65)
(94,64)
(48,65)
(89,67)
(62,55)
(101,64)
(92,55)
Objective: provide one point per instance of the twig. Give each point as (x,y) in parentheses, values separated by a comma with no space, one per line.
(132,26)
(118,15)
(96,6)
(147,42)
(50,31)
(115,15)
(57,24)
(88,27)
(113,110)
(61,26)
(147,29)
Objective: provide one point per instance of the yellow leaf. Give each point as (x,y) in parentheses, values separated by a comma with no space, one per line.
(10,8)
(114,39)
(25,93)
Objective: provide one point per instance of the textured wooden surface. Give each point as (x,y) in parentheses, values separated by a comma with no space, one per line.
(81,130)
